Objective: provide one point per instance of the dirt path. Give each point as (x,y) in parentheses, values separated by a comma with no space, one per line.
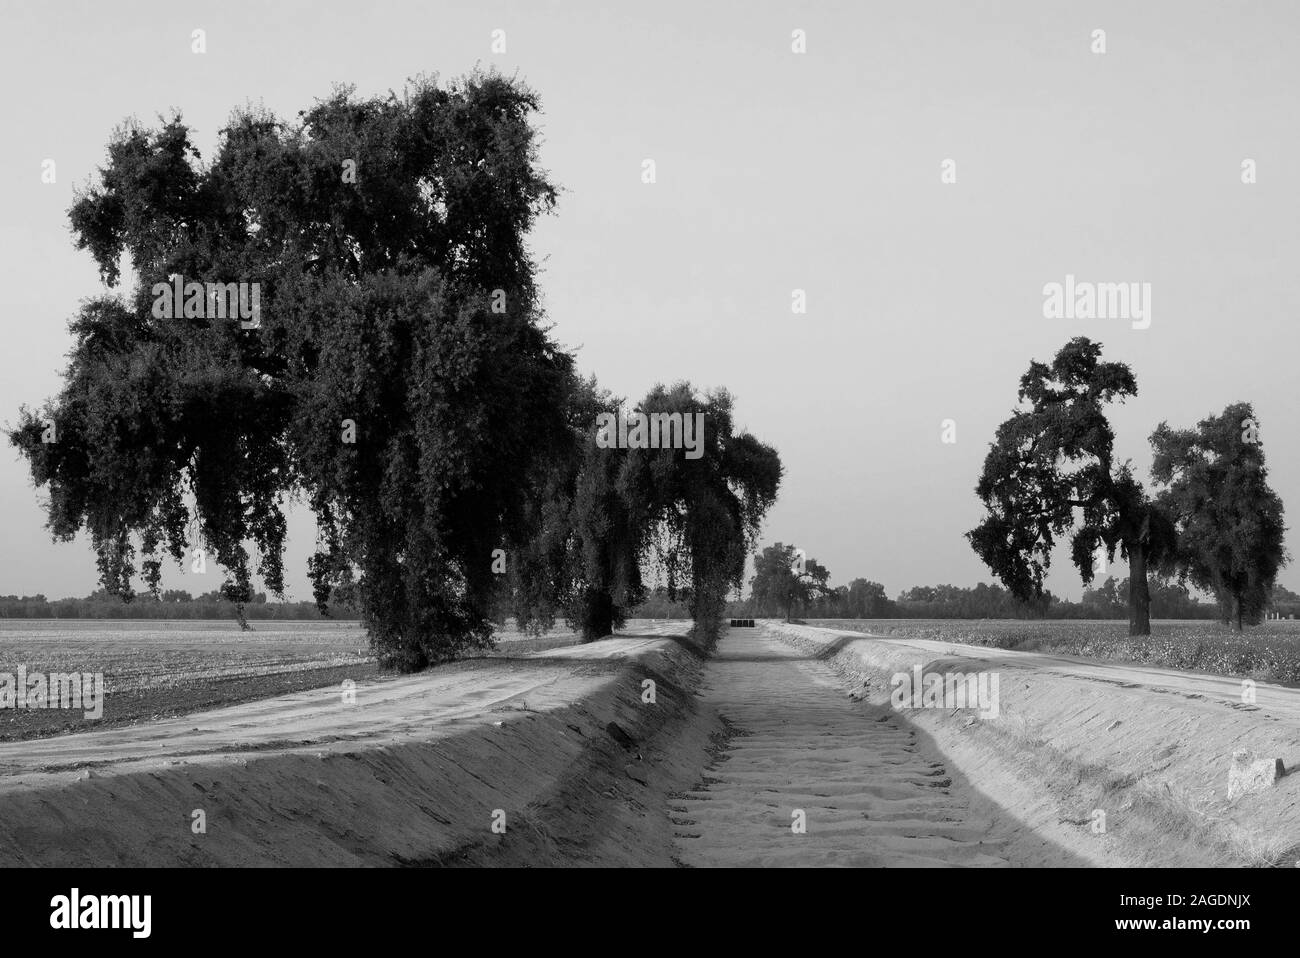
(872,788)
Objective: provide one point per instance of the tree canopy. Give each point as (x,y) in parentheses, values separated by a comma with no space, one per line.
(584,562)
(1231,535)
(398,378)
(1050,471)
(703,510)
(342,310)
(786,579)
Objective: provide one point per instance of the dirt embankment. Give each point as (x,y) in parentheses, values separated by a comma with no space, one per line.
(639,751)
(1148,748)
(537,759)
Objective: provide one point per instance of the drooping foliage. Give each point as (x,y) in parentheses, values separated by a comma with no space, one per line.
(703,513)
(1231,534)
(585,562)
(398,377)
(614,509)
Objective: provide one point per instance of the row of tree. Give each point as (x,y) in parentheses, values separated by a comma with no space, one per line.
(170,604)
(399,379)
(607,515)
(1212,518)
(787,584)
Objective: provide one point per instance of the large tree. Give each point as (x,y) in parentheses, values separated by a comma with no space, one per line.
(1050,472)
(399,379)
(585,561)
(617,500)
(865,599)
(785,579)
(1231,535)
(702,507)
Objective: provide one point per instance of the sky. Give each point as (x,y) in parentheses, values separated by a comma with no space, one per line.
(775,171)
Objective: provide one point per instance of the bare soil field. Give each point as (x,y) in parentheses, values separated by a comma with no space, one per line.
(153,669)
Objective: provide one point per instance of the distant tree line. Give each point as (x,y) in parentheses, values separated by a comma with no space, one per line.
(787,583)
(170,604)
(860,599)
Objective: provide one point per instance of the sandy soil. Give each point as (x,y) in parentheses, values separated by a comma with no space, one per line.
(1149,747)
(587,769)
(872,789)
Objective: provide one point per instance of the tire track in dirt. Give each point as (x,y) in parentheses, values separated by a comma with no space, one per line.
(872,792)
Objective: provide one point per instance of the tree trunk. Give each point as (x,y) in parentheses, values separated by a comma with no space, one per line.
(1139,593)
(1236,613)
(598,621)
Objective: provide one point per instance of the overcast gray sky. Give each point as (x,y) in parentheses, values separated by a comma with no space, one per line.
(775,171)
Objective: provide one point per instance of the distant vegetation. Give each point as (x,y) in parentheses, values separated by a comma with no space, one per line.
(860,599)
(171,604)
(787,583)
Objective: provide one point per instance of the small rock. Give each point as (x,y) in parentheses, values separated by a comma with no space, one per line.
(1114,725)
(1250,774)
(637,774)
